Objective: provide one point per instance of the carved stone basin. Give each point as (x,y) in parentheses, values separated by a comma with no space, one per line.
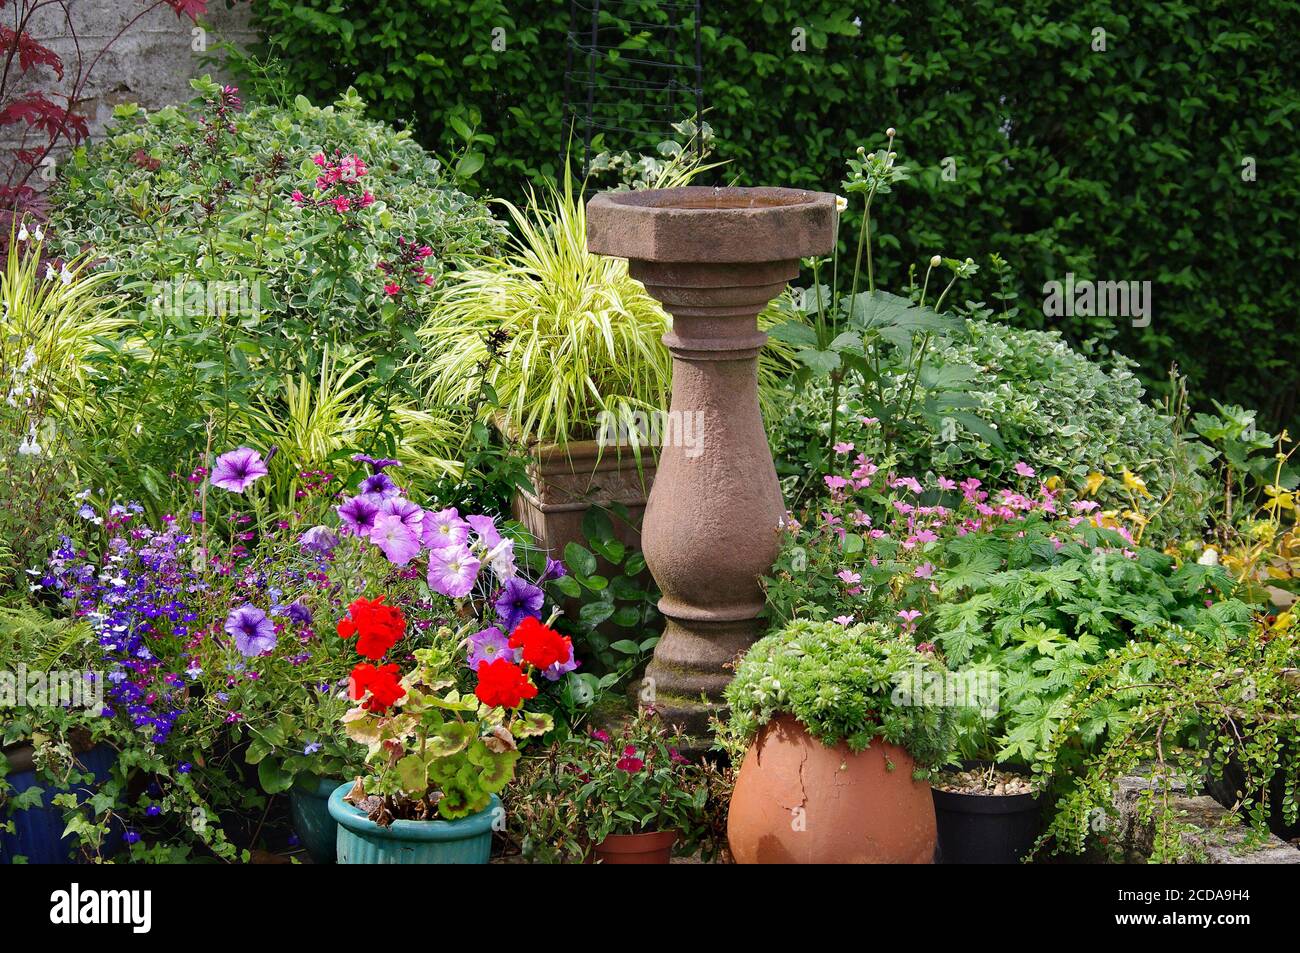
(714,257)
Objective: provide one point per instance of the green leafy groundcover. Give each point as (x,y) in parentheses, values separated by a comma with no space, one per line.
(1071,135)
(839,682)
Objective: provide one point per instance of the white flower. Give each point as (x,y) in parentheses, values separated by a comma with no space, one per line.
(841,203)
(29,447)
(49,272)
(39,233)
(22,232)
(936,261)
(65,275)
(1209,558)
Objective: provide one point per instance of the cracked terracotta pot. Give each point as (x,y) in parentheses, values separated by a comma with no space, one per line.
(797,801)
(714,257)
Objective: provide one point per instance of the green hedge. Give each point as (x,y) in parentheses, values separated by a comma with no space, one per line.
(1122,164)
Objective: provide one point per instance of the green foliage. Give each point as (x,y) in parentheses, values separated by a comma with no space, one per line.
(1194,707)
(617,598)
(443,748)
(1122,163)
(574,795)
(841,683)
(260,313)
(989,396)
(1041,610)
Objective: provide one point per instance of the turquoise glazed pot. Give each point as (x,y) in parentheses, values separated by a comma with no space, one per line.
(362,841)
(309,804)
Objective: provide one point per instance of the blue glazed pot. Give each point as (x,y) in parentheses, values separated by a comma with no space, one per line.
(362,841)
(38,831)
(309,805)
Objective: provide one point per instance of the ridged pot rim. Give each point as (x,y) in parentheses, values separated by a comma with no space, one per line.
(429,831)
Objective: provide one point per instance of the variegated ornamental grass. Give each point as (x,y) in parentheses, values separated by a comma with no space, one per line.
(581,336)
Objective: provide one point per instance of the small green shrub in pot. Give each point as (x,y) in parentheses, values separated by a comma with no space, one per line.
(842,683)
(617,782)
(841,726)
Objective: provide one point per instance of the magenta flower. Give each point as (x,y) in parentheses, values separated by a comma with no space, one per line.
(237,470)
(253,632)
(399,542)
(1023,469)
(452,571)
(629,762)
(358,514)
(924,571)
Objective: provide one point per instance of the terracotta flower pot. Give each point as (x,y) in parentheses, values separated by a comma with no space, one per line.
(655,847)
(797,801)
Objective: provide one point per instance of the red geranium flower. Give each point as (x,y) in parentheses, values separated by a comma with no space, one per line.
(543,646)
(378,626)
(502,682)
(382,682)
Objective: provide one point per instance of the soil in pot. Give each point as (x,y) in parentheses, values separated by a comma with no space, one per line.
(655,847)
(797,801)
(986,815)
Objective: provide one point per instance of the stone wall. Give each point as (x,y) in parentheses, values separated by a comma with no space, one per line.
(151,63)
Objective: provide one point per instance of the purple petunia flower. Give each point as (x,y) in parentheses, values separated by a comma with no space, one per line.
(299,614)
(410,513)
(488,646)
(319,539)
(452,571)
(358,514)
(377,464)
(444,528)
(486,528)
(558,669)
(379,484)
(518,601)
(399,542)
(554,570)
(254,633)
(237,470)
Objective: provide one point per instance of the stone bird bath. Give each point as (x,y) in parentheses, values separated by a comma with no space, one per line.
(714,257)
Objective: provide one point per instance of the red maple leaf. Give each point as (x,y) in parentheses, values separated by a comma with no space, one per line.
(189,8)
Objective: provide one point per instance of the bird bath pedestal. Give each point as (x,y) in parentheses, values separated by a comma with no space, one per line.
(714,257)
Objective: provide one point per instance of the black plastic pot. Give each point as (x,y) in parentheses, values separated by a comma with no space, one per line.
(986,828)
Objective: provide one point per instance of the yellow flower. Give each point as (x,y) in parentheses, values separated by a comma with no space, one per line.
(1135,483)
(1053,482)
(1280,497)
(1094,482)
(1284,621)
